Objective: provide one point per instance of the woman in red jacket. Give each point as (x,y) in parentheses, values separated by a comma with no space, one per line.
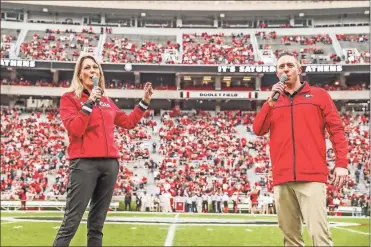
(297,124)
(90,119)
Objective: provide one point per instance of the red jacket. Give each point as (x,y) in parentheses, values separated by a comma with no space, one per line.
(297,135)
(91,134)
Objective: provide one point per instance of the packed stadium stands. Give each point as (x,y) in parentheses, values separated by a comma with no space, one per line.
(206,48)
(191,156)
(197,48)
(57,45)
(201,155)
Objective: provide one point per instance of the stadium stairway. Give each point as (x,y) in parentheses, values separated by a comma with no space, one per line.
(151,187)
(20,40)
(336,45)
(51,182)
(242,132)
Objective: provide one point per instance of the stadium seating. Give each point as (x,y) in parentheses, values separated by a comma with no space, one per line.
(35,159)
(131,48)
(205,48)
(201,153)
(314,49)
(195,48)
(191,167)
(360,42)
(8,39)
(57,45)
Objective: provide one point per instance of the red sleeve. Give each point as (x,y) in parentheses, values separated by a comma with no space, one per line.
(74,120)
(335,128)
(262,121)
(127,121)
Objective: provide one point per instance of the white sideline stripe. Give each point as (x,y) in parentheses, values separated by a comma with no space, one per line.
(179,227)
(171,232)
(4,212)
(351,230)
(4,223)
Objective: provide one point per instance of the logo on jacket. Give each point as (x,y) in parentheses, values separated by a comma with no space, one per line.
(102,104)
(308,95)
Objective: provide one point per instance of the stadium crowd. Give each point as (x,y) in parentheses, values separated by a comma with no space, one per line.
(57,45)
(206,48)
(123,50)
(204,160)
(197,48)
(33,149)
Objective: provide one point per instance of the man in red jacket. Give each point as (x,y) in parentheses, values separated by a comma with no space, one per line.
(297,124)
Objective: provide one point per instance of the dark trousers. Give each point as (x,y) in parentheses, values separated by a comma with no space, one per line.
(127,206)
(234,206)
(194,207)
(89,179)
(205,206)
(214,206)
(188,207)
(219,208)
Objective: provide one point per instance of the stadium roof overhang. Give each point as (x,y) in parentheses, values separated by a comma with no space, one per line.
(235,14)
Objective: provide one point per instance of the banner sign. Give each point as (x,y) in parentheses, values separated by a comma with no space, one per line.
(18,63)
(185,68)
(272,69)
(217,95)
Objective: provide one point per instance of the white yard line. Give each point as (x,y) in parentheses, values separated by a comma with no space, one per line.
(9,222)
(163,213)
(351,230)
(171,232)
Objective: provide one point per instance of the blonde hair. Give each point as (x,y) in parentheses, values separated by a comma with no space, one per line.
(76,84)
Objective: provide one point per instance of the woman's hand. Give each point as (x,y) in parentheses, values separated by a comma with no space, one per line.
(148,91)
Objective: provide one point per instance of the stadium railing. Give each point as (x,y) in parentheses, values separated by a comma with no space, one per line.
(60,205)
(354,211)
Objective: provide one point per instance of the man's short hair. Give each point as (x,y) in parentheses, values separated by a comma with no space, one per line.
(286,53)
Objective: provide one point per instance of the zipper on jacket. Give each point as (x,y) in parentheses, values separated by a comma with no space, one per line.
(292,131)
(104,128)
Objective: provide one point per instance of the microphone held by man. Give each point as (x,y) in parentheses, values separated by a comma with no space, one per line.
(277,94)
(277,89)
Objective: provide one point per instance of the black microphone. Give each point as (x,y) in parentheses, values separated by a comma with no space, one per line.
(277,94)
(96,85)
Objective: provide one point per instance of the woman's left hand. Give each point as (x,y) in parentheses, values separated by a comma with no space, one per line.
(148,91)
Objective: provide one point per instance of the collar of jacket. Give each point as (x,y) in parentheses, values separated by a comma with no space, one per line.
(304,88)
(86,92)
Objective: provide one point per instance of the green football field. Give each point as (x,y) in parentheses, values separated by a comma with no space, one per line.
(149,229)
